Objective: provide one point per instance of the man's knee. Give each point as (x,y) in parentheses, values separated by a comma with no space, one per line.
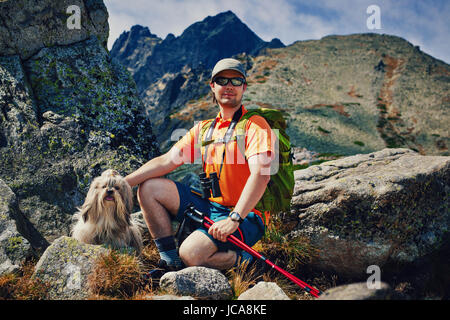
(160,192)
(196,249)
(151,189)
(189,258)
(145,190)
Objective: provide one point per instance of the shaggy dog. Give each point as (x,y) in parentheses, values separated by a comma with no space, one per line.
(105,216)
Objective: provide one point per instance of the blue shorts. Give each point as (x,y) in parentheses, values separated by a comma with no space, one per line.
(250,230)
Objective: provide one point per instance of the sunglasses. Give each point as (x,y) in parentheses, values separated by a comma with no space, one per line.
(236,82)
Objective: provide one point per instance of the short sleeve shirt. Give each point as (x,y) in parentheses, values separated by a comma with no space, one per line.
(234,172)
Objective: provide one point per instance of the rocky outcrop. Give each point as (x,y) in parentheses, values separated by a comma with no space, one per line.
(67,113)
(28,26)
(199,282)
(387,208)
(14,248)
(134,47)
(65,266)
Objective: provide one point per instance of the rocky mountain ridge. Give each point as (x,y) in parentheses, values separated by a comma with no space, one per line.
(201,44)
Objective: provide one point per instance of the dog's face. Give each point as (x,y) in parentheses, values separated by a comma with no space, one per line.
(109,194)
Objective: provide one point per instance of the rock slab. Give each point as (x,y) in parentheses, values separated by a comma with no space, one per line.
(390,206)
(66,265)
(14,248)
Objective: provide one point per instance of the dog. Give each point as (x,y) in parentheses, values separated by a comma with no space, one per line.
(105,216)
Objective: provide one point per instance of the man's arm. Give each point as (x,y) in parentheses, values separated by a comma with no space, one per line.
(254,188)
(156,167)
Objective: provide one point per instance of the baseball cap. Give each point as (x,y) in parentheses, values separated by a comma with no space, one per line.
(228,64)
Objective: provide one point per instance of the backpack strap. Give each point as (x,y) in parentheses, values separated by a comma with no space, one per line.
(241,130)
(227,137)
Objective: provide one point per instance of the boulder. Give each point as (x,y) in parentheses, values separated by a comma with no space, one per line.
(264,291)
(28,26)
(66,265)
(388,208)
(14,248)
(199,282)
(358,291)
(68,112)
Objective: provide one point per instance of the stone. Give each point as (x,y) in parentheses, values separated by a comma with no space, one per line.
(264,291)
(66,265)
(199,282)
(14,248)
(30,25)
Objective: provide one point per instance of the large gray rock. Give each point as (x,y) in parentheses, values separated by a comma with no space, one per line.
(14,248)
(359,291)
(390,206)
(30,25)
(66,265)
(264,291)
(199,282)
(67,112)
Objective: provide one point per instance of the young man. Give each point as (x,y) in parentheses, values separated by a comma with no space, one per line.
(242,179)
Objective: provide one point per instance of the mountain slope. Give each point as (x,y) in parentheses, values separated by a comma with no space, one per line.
(349,94)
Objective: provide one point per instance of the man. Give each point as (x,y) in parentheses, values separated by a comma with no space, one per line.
(242,179)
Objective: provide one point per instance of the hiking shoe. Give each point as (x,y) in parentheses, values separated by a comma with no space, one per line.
(154,275)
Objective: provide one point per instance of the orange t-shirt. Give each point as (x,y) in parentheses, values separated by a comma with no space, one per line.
(235,171)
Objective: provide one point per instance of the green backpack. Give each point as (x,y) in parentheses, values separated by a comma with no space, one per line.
(278,194)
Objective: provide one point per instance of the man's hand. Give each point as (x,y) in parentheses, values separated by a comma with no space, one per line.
(222,229)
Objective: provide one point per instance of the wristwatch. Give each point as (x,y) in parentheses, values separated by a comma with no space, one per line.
(235,217)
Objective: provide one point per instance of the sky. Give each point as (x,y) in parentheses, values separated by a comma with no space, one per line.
(424,23)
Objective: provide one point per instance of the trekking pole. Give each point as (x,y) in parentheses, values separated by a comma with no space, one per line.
(207,222)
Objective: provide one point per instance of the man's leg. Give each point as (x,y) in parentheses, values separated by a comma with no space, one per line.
(159,199)
(199,250)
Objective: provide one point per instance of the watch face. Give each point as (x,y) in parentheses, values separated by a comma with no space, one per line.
(235,216)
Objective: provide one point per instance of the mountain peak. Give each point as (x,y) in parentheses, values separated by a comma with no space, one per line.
(201,44)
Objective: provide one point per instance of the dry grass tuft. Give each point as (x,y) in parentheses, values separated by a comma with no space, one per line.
(115,275)
(292,252)
(22,286)
(241,278)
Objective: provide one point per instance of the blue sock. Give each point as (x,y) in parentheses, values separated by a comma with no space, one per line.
(168,251)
